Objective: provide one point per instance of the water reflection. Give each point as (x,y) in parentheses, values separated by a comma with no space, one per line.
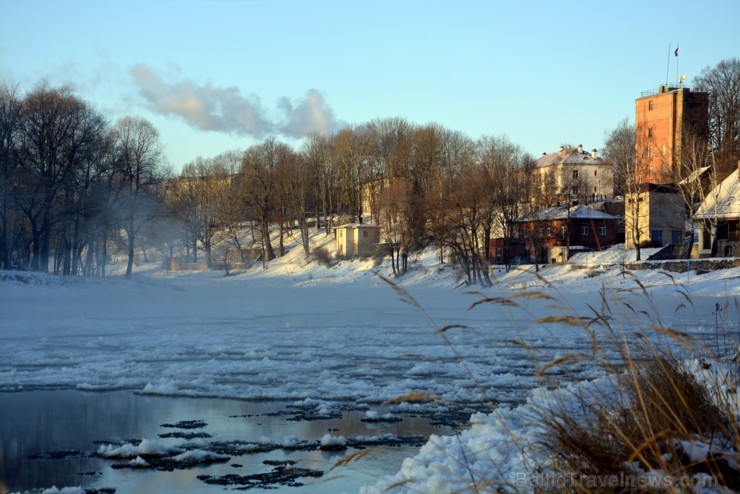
(35,423)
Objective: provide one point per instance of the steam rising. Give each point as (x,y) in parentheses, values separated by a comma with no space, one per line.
(225,109)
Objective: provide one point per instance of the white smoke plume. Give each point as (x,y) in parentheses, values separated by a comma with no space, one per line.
(226,109)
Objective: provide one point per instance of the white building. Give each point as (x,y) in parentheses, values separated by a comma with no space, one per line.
(573,171)
(718,217)
(357,239)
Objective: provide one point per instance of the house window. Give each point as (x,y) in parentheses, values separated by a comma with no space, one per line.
(676,237)
(664,150)
(549,231)
(733,230)
(650,105)
(584,230)
(602,230)
(706,235)
(364,234)
(562,231)
(650,132)
(575,173)
(542,230)
(657,237)
(650,152)
(526,231)
(594,173)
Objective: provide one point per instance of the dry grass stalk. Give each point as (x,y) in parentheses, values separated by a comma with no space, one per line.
(660,410)
(347,459)
(412,398)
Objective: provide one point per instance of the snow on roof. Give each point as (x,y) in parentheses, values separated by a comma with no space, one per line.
(561,213)
(570,156)
(357,225)
(723,201)
(695,175)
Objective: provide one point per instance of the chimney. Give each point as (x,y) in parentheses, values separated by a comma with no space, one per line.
(580,148)
(593,154)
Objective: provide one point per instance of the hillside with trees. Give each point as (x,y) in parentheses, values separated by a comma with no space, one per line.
(76,189)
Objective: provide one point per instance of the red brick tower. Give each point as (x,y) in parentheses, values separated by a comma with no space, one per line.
(663,119)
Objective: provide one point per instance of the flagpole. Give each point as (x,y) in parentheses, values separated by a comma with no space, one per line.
(668,64)
(677,62)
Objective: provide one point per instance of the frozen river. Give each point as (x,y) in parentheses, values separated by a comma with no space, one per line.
(328,350)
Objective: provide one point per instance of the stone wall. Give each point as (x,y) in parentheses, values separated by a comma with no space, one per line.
(683,265)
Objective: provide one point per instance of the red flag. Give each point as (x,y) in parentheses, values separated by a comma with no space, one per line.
(676,52)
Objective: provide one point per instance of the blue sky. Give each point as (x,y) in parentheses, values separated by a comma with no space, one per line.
(223,74)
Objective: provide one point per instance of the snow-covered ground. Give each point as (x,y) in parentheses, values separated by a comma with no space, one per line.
(335,335)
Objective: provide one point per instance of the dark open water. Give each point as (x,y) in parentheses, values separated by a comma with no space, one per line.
(36,423)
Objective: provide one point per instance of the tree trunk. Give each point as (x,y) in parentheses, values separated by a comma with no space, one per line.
(207,248)
(6,236)
(35,248)
(130,265)
(305,236)
(104,252)
(45,247)
(268,251)
(281,241)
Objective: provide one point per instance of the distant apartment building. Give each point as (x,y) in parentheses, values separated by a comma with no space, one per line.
(572,172)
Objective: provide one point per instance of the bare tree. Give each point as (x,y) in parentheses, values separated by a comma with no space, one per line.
(231,204)
(694,178)
(259,167)
(391,154)
(81,203)
(199,195)
(303,195)
(10,126)
(139,172)
(437,156)
(495,154)
(469,203)
(504,161)
(318,159)
(393,211)
(57,130)
(629,164)
(351,148)
(537,196)
(722,82)
(619,150)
